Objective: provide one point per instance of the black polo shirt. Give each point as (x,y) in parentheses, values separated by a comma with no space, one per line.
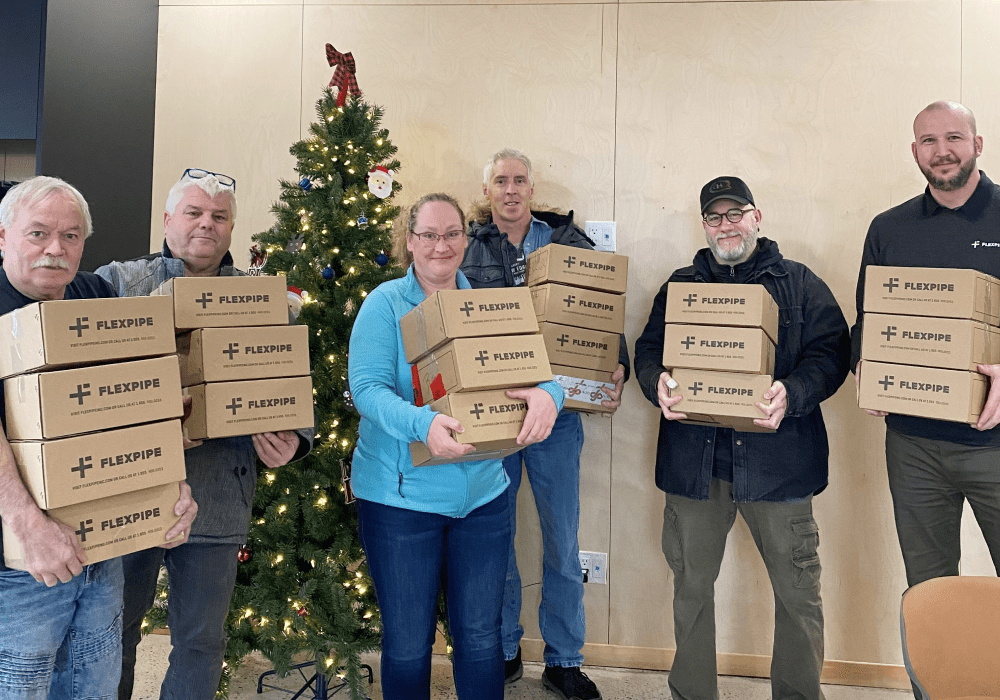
(922,233)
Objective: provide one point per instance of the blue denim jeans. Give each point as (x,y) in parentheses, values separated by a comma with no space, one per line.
(64,642)
(553,467)
(201,578)
(411,556)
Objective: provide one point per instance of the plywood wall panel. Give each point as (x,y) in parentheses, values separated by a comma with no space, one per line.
(811,103)
(478,79)
(980,89)
(452,2)
(227,100)
(980,92)
(226,3)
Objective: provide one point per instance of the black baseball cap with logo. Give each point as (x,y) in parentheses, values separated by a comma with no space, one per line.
(725,187)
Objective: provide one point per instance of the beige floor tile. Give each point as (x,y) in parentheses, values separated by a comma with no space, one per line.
(614,683)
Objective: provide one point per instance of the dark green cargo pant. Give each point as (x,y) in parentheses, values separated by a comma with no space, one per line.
(694,541)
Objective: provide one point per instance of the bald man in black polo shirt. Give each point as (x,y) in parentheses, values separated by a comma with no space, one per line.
(935,466)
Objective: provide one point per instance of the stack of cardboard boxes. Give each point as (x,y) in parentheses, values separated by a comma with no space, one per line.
(719,346)
(579,300)
(98,445)
(466,347)
(245,368)
(925,330)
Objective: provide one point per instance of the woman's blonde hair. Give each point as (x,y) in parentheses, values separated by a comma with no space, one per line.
(405,226)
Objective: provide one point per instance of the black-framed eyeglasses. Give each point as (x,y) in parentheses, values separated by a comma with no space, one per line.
(734,216)
(198,173)
(449,237)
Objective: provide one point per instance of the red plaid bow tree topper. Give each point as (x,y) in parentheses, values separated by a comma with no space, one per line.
(343,77)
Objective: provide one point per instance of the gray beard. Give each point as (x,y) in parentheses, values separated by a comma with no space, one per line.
(960,179)
(734,254)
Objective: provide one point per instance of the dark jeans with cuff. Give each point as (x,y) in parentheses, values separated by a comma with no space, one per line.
(411,556)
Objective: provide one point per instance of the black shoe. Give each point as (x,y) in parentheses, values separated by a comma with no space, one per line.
(513,669)
(570,683)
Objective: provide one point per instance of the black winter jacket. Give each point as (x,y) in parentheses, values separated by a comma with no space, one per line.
(812,359)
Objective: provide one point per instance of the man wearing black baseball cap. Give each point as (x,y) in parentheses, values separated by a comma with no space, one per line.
(727,187)
(710,474)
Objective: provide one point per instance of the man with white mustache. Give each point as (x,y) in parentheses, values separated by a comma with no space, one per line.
(710,474)
(60,619)
(49,261)
(935,466)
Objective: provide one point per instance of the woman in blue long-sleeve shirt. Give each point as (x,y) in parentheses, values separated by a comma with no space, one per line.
(427,527)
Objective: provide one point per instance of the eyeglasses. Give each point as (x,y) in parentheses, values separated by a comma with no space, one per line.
(198,173)
(433,238)
(734,216)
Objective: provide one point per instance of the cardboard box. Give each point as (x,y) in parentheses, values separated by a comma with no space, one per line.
(84,331)
(951,343)
(749,305)
(491,421)
(578,267)
(218,302)
(583,388)
(225,409)
(479,364)
(113,526)
(721,399)
(728,348)
(422,457)
(97,397)
(62,472)
(255,352)
(583,308)
(580,347)
(466,313)
(927,392)
(932,291)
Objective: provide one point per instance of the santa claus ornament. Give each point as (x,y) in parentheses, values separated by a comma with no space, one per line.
(380,181)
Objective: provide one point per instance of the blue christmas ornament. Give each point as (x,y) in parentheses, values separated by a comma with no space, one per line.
(306,184)
(362,220)
(381,259)
(327,273)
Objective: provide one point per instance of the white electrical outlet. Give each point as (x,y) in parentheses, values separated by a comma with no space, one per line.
(604,234)
(594,566)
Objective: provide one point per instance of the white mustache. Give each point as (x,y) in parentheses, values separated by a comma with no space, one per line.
(49,261)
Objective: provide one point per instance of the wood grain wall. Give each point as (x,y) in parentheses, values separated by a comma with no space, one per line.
(626,109)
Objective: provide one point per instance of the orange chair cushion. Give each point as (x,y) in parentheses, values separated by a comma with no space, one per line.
(951,626)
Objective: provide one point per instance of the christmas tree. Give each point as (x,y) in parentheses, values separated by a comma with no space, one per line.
(302,586)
